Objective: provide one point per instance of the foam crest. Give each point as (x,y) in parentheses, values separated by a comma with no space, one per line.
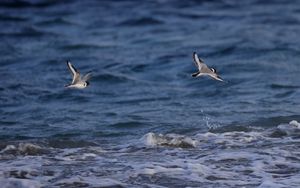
(295,123)
(172,140)
(23,149)
(230,139)
(290,129)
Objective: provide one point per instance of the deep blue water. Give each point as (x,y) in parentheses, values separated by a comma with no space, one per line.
(144,121)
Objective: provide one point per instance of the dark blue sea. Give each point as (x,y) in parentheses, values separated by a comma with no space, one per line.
(144,121)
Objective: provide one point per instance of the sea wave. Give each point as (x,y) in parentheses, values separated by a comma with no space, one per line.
(229,158)
(172,140)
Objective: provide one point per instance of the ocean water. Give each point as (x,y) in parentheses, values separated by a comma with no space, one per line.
(144,121)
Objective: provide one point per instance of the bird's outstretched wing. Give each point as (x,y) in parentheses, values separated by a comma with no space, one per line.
(87,76)
(217,77)
(74,71)
(199,62)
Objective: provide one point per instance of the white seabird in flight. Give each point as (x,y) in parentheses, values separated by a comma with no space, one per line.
(204,70)
(77,81)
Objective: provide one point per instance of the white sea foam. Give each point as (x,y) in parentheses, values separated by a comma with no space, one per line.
(90,181)
(269,183)
(69,156)
(173,140)
(23,149)
(19,183)
(292,128)
(230,159)
(295,123)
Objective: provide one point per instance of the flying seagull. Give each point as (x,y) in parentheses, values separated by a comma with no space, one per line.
(204,70)
(77,81)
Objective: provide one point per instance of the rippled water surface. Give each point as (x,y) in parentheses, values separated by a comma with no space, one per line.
(144,121)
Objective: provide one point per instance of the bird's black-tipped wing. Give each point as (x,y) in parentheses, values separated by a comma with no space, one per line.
(198,61)
(74,71)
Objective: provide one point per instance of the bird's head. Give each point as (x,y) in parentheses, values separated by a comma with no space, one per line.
(213,70)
